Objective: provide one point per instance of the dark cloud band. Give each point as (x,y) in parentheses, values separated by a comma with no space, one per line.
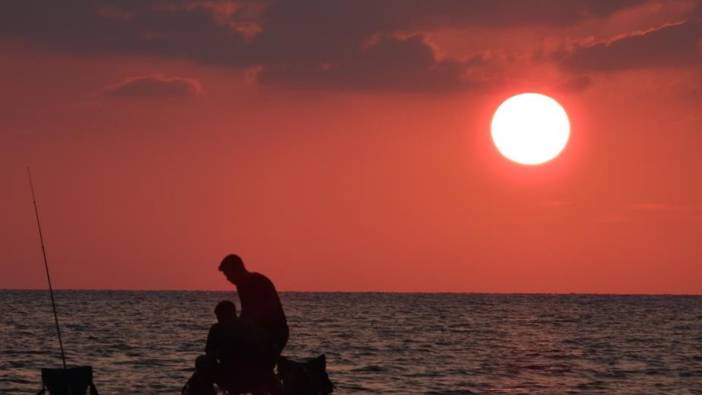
(316,43)
(675,45)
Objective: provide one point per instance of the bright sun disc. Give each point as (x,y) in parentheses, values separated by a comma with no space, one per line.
(530,128)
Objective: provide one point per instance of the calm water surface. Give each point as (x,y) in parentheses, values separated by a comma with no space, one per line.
(146,342)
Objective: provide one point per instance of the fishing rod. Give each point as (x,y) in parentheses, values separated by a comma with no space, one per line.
(46,267)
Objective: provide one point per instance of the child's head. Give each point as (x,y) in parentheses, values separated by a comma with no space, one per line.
(225,311)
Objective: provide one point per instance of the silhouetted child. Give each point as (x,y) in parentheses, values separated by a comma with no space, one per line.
(231,341)
(234,353)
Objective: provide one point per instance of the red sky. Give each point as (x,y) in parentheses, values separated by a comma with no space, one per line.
(345,145)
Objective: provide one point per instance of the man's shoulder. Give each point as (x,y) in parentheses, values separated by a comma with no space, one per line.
(258,276)
(260,279)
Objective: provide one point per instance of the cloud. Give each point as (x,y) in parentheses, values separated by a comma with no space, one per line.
(315,43)
(155,86)
(674,45)
(177,29)
(397,64)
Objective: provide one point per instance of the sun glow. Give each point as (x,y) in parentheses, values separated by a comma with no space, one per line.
(530,128)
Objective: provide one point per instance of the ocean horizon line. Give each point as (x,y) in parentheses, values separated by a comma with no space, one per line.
(364,292)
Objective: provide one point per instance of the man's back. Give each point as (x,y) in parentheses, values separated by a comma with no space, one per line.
(260,303)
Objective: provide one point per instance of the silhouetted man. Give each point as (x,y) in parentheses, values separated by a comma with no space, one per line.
(259,302)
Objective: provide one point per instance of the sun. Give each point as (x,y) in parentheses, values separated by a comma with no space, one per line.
(530,128)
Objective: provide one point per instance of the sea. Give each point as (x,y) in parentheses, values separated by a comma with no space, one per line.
(390,343)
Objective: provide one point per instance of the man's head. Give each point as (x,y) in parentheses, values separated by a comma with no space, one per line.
(225,311)
(233,268)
